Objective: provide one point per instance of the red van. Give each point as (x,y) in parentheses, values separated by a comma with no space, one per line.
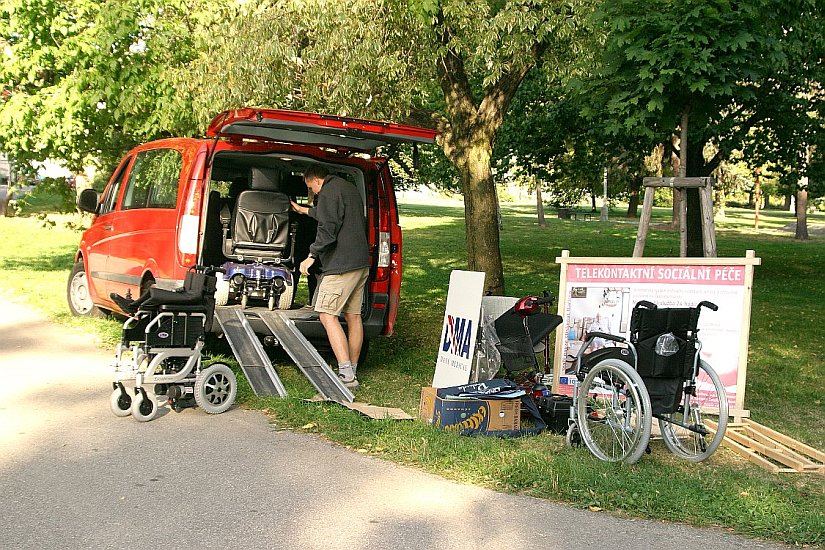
(173,203)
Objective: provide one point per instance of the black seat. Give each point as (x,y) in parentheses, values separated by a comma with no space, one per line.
(192,308)
(516,349)
(664,373)
(260,227)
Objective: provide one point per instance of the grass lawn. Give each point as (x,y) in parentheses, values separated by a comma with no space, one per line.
(785,389)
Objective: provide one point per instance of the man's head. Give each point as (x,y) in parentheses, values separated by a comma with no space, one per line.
(314,176)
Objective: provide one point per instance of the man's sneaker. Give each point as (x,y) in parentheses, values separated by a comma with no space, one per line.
(351,383)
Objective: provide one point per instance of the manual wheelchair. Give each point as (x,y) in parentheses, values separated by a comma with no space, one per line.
(161,352)
(656,373)
(613,412)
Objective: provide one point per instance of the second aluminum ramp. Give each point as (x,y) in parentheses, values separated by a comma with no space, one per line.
(304,354)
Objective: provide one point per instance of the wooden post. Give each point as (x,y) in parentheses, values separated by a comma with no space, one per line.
(644,223)
(708,230)
(682,221)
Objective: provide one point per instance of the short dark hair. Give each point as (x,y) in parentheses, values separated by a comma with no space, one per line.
(315,171)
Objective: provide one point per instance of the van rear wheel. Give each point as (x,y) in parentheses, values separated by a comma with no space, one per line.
(78,295)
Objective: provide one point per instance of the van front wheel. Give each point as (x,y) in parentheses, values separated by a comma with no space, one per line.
(78,295)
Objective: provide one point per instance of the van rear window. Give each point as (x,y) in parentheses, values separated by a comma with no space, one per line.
(153,181)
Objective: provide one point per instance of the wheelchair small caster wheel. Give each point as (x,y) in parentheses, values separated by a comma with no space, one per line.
(144,405)
(573,439)
(121,402)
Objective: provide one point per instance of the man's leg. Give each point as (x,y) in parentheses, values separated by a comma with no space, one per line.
(355,335)
(337,337)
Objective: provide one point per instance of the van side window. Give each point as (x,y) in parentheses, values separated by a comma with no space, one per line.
(153,182)
(110,197)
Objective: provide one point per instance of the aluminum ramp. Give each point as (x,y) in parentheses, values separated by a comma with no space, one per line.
(304,354)
(249,352)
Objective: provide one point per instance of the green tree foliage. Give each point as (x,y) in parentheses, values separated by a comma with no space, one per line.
(84,80)
(719,64)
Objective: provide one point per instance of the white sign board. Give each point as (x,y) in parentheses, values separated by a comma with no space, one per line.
(598,294)
(460,328)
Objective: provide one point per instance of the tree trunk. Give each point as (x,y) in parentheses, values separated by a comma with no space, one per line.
(801,232)
(539,206)
(676,170)
(468,134)
(481,213)
(633,203)
(5,209)
(719,200)
(694,165)
(802,215)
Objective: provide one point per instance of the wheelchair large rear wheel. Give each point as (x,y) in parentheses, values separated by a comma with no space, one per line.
(685,432)
(215,388)
(613,412)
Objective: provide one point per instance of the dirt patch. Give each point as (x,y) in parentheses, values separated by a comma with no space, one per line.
(813,228)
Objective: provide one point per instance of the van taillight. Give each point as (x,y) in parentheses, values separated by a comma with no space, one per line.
(383,271)
(189,228)
(384,249)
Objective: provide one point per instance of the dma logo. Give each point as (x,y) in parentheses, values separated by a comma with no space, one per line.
(457,333)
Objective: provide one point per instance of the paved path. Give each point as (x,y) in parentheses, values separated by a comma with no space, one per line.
(72,475)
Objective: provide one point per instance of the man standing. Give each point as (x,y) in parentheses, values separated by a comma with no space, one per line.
(342,248)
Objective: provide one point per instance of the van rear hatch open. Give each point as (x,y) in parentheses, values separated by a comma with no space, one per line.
(342,133)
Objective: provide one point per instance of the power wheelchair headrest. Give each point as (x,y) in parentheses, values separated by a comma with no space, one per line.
(264,179)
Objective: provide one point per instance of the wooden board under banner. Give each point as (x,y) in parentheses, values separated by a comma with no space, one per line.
(774,451)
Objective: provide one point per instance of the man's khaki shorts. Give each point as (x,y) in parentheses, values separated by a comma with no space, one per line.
(341,292)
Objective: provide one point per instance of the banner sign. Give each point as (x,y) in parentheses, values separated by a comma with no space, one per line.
(459,330)
(598,294)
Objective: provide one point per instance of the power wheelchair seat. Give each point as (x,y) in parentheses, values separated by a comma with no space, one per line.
(259,241)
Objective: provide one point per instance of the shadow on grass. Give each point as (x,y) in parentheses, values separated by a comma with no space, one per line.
(59,261)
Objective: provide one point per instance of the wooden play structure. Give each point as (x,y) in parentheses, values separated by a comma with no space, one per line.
(680,187)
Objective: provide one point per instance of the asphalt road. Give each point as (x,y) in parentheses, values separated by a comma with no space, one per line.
(72,475)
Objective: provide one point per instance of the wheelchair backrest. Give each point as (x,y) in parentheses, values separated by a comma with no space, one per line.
(261,218)
(648,324)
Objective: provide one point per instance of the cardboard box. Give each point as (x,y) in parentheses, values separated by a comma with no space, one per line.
(470,416)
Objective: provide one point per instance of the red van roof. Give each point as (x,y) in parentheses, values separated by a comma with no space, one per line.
(314,129)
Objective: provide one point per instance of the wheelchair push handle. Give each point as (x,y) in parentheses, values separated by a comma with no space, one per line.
(606,336)
(710,305)
(530,304)
(646,305)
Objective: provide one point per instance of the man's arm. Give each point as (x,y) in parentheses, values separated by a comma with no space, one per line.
(329,214)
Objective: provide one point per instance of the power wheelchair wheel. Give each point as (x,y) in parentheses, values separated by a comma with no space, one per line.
(120,401)
(215,388)
(144,405)
(613,412)
(286,298)
(684,431)
(221,291)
